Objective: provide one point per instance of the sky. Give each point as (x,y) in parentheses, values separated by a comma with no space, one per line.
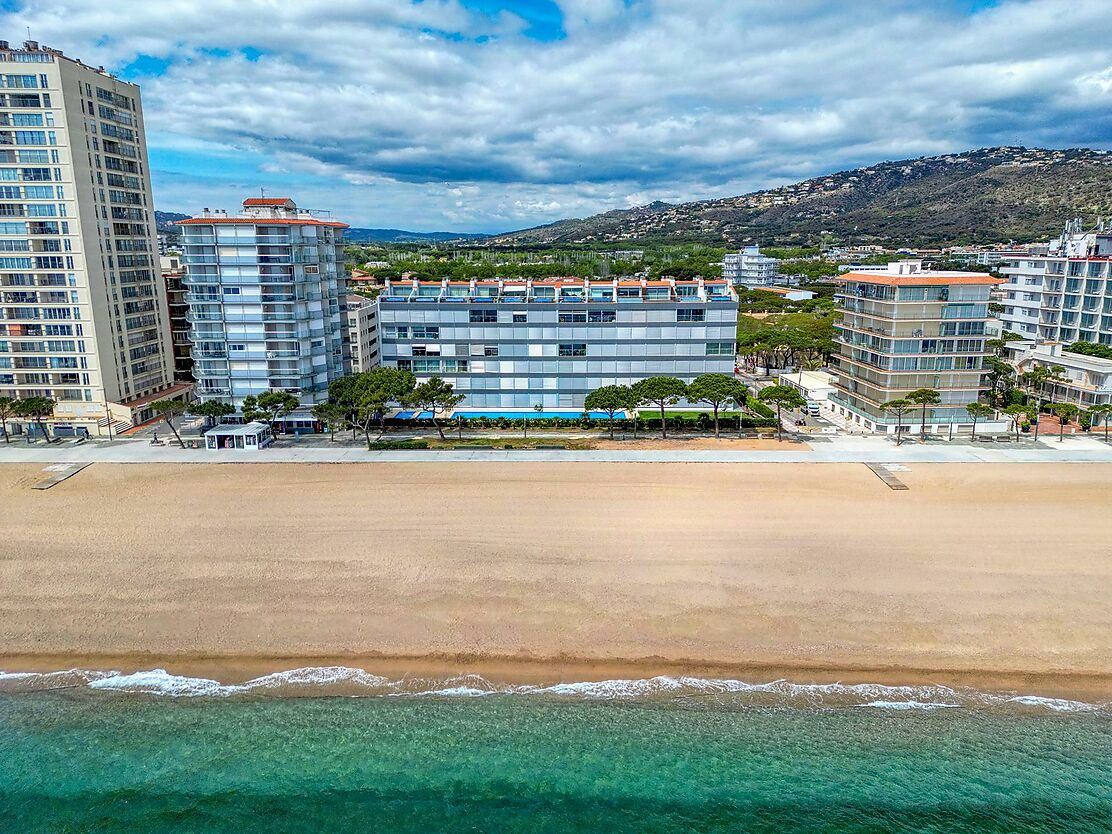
(492,115)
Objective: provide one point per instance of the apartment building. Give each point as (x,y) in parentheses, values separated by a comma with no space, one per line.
(1086,380)
(177,311)
(82,306)
(265,290)
(1062,293)
(906,328)
(511,345)
(360,333)
(749,268)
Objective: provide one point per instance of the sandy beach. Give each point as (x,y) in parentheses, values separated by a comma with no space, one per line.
(978,573)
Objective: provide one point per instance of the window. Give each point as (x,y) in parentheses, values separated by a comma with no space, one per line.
(420,332)
(237,347)
(596,316)
(691,315)
(483,316)
(573,318)
(457,365)
(720,348)
(231,291)
(404,364)
(312,269)
(520,317)
(573,349)
(490,350)
(397,331)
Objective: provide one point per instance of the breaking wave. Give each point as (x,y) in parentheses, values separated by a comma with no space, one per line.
(344,680)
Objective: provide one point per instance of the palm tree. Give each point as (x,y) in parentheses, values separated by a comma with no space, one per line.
(977,411)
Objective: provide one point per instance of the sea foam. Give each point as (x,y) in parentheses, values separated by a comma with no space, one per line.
(345,680)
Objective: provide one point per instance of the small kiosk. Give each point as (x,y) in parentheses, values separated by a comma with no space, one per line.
(250,436)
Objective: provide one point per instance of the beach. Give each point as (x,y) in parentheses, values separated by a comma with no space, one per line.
(982,574)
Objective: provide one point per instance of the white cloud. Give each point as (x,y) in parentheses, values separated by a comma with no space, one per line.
(384,109)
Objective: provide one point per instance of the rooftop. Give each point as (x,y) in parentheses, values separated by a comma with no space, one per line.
(912,274)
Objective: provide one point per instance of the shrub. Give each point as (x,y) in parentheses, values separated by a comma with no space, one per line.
(392,445)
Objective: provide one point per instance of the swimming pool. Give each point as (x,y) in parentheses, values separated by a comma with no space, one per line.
(538,415)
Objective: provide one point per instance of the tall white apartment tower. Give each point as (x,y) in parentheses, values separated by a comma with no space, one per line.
(264,292)
(82,310)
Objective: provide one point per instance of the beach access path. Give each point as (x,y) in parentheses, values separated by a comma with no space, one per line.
(826,449)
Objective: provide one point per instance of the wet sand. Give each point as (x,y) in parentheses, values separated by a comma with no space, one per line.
(997,576)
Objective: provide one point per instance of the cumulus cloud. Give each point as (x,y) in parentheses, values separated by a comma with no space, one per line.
(385,109)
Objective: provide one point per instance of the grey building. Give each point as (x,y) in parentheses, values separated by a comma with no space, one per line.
(510,346)
(264,302)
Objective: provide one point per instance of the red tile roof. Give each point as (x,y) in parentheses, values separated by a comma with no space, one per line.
(919,279)
(267,201)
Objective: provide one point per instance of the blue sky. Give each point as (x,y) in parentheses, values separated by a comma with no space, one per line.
(489,115)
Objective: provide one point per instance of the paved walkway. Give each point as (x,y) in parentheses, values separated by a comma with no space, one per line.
(853,449)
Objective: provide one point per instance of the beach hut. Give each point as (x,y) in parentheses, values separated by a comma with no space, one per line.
(251,436)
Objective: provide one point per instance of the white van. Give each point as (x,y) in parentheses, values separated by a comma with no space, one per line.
(813,408)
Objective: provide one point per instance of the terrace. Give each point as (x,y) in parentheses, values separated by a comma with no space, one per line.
(560,290)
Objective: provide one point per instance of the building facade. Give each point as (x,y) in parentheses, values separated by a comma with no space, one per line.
(509,346)
(1086,380)
(360,333)
(749,268)
(904,329)
(82,307)
(265,291)
(1062,294)
(177,310)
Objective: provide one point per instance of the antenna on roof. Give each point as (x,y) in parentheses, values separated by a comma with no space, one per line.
(262,192)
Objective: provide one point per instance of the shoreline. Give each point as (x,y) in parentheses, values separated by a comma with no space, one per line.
(566,571)
(513,671)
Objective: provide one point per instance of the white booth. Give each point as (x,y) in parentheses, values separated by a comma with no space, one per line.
(251,436)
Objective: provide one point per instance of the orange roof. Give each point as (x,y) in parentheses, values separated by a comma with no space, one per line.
(267,201)
(259,221)
(919,279)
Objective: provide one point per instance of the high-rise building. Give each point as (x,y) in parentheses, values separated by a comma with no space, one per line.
(749,268)
(509,346)
(177,309)
(360,333)
(1061,293)
(82,307)
(903,328)
(265,291)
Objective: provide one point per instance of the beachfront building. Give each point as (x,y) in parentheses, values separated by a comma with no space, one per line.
(1063,293)
(360,333)
(749,268)
(511,345)
(177,311)
(82,308)
(1087,380)
(906,328)
(265,289)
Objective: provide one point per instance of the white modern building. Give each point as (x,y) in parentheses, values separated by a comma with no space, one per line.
(1087,380)
(360,333)
(82,306)
(265,291)
(511,345)
(749,268)
(1063,293)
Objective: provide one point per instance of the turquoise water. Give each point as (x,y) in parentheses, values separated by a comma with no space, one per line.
(627,756)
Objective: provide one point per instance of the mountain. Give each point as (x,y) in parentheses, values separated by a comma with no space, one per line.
(165,220)
(981,196)
(354,235)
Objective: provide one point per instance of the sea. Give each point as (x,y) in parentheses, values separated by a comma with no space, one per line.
(336,749)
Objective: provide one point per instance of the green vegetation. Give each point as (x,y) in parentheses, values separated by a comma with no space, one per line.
(899,408)
(169,410)
(9,408)
(611,399)
(269,406)
(978,411)
(1063,411)
(36,409)
(781,396)
(1101,414)
(366,397)
(790,339)
(1091,349)
(432,396)
(660,391)
(332,416)
(212,410)
(815,270)
(716,390)
(924,398)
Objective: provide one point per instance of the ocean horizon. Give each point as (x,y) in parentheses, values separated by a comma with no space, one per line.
(338,749)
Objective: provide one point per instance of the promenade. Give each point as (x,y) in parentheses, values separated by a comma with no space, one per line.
(833,449)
